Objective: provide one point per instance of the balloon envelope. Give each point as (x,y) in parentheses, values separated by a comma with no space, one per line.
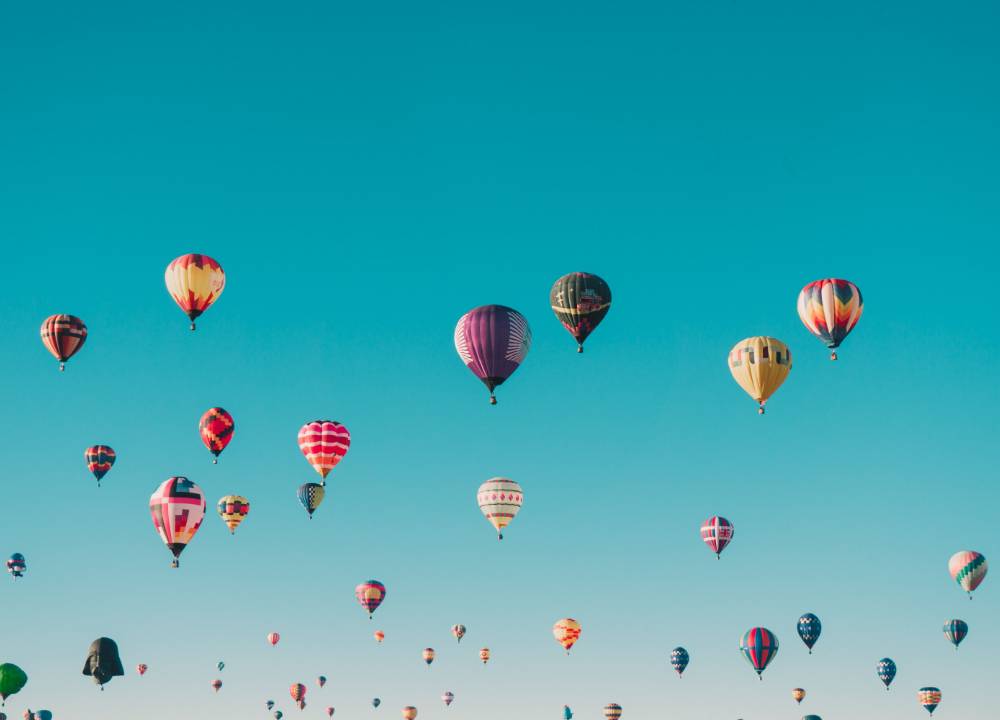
(324,444)
(63,336)
(195,282)
(17,565)
(216,428)
(311,495)
(233,509)
(612,711)
(99,459)
(809,628)
(580,301)
(177,507)
(760,365)
(370,595)
(458,631)
(968,569)
(500,500)
(12,679)
(830,309)
(717,533)
(492,341)
(102,661)
(759,646)
(929,697)
(798,695)
(448,698)
(955,631)
(679,659)
(566,632)
(273,638)
(886,670)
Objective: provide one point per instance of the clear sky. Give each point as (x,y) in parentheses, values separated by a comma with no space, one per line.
(365,176)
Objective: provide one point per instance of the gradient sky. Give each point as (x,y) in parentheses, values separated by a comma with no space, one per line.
(365,176)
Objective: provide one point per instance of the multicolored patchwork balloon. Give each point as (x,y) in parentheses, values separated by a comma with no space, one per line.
(233,509)
(194,282)
(955,631)
(409,713)
(448,698)
(63,336)
(428,655)
(458,631)
(311,495)
(324,443)
(759,646)
(679,659)
(809,628)
(99,459)
(17,565)
(886,670)
(216,427)
(297,691)
(612,711)
(370,594)
(968,569)
(580,301)
(798,695)
(566,632)
(500,500)
(760,365)
(830,309)
(717,532)
(484,655)
(177,507)
(929,698)
(492,341)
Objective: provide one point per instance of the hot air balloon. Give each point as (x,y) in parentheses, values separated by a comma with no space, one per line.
(760,365)
(17,565)
(458,631)
(297,691)
(273,638)
(102,661)
(612,711)
(216,427)
(42,715)
(278,715)
(717,532)
(409,713)
(567,713)
(324,443)
(12,679)
(221,665)
(679,659)
(886,670)
(955,631)
(216,685)
(809,628)
(967,568)
(759,646)
(376,702)
(321,680)
(500,500)
(311,495)
(448,698)
(141,668)
(329,712)
(269,704)
(811,717)
(63,336)
(798,695)
(492,341)
(830,309)
(99,460)
(566,633)
(580,301)
(379,636)
(484,655)
(233,509)
(930,698)
(177,507)
(194,282)
(428,655)
(370,594)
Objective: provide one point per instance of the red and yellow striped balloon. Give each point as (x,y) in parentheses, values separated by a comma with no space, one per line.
(830,308)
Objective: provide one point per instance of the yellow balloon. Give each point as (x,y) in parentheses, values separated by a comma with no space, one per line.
(760,365)
(566,632)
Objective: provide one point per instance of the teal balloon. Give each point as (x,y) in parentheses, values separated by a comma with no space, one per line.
(221,665)
(376,702)
(567,713)
(812,717)
(12,679)
(43,715)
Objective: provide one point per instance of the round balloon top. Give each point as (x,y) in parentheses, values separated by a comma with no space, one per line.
(968,569)
(177,507)
(760,365)
(809,628)
(492,341)
(195,282)
(886,670)
(233,509)
(324,444)
(63,336)
(500,500)
(759,646)
(830,308)
(580,301)
(566,632)
(929,697)
(216,428)
(717,533)
(679,659)
(99,459)
(370,595)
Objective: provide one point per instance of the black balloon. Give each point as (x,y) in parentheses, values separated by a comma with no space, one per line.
(102,661)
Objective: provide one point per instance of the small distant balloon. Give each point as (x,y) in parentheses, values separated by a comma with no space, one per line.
(329,712)
(321,680)
(567,713)
(216,427)
(448,698)
(269,704)
(220,665)
(955,631)
(12,679)
(484,655)
(798,695)
(273,638)
(141,668)
(297,691)
(177,507)
(409,713)
(929,698)
(809,628)
(311,495)
(886,670)
(216,685)
(324,444)
(566,632)
(17,565)
(103,662)
(679,659)
(612,711)
(42,715)
(500,500)
(370,595)
(376,702)
(379,636)
(830,308)
(278,715)
(99,459)
(428,655)
(492,341)
(233,509)
(580,301)
(63,336)
(458,631)
(195,282)
(759,646)
(760,365)
(717,533)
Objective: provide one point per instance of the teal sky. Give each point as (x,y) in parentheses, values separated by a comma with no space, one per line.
(365,176)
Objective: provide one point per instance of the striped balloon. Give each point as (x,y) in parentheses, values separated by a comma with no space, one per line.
(967,568)
(428,655)
(273,638)
(177,507)
(100,459)
(798,695)
(717,532)
(63,336)
(216,427)
(409,713)
(809,628)
(566,633)
(311,495)
(297,691)
(760,365)
(379,636)
(580,301)
(759,646)
(830,309)
(930,698)
(484,655)
(679,659)
(370,594)
(232,509)
(458,631)
(194,282)
(500,500)
(955,631)
(492,341)
(324,443)
(612,711)
(886,670)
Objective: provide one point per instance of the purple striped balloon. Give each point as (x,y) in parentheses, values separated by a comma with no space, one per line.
(492,341)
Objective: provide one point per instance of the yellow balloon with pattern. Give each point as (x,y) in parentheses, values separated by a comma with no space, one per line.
(760,365)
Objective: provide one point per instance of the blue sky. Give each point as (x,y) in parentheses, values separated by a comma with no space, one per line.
(365,177)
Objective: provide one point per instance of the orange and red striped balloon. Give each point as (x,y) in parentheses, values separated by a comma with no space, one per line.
(324,443)
(63,336)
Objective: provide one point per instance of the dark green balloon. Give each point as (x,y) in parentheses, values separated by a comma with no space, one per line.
(12,679)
